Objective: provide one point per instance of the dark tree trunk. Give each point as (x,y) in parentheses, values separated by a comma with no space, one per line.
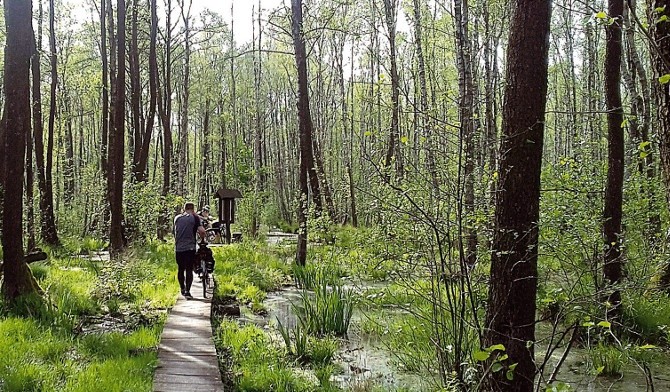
(141,168)
(105,88)
(164,98)
(116,137)
(183,129)
(306,127)
(30,195)
(510,316)
(68,163)
(393,149)
(19,47)
(613,261)
(48,223)
(660,33)
(135,93)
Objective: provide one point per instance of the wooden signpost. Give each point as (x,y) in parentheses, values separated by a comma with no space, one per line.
(226,199)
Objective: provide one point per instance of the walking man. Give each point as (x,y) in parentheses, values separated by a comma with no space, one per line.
(186,226)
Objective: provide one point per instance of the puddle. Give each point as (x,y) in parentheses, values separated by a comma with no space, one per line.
(95,256)
(276,237)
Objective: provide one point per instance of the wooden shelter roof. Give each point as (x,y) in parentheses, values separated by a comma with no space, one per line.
(223,193)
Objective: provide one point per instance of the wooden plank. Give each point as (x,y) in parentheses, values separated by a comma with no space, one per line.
(163,387)
(187,359)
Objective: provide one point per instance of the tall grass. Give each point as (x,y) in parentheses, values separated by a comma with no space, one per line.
(327,311)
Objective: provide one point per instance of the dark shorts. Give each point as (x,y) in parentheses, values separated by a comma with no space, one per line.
(186,259)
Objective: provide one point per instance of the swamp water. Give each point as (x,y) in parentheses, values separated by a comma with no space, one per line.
(362,358)
(366,362)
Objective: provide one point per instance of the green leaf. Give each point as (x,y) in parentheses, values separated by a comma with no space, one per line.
(659,9)
(368,133)
(495,347)
(509,375)
(513,366)
(664,79)
(624,123)
(481,356)
(647,347)
(588,324)
(605,324)
(496,367)
(404,140)
(601,15)
(600,369)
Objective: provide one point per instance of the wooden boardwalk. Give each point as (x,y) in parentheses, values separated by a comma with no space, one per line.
(186,355)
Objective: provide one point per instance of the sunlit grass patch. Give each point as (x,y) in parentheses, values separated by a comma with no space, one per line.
(259,365)
(115,375)
(46,345)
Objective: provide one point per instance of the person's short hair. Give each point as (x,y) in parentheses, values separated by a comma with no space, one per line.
(189,206)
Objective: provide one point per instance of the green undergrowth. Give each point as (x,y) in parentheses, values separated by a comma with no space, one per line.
(96,328)
(263,365)
(248,271)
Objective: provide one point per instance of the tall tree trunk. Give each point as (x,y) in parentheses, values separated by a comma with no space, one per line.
(105,88)
(48,223)
(183,129)
(135,94)
(206,147)
(613,267)
(164,98)
(116,137)
(660,33)
(426,119)
(467,126)
(30,195)
(19,47)
(68,163)
(258,150)
(142,154)
(306,127)
(49,233)
(393,149)
(510,315)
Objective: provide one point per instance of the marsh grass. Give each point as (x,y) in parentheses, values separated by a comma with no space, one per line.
(259,365)
(650,317)
(607,361)
(327,311)
(43,348)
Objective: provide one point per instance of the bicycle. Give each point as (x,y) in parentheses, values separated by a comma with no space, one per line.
(205,267)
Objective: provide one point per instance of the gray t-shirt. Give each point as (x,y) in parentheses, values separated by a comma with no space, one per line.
(185,228)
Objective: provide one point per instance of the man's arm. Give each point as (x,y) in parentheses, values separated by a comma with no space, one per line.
(200,230)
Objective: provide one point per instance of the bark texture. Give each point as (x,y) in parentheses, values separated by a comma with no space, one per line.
(510,316)
(613,263)
(17,280)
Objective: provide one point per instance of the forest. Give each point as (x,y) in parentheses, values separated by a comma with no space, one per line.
(437,195)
